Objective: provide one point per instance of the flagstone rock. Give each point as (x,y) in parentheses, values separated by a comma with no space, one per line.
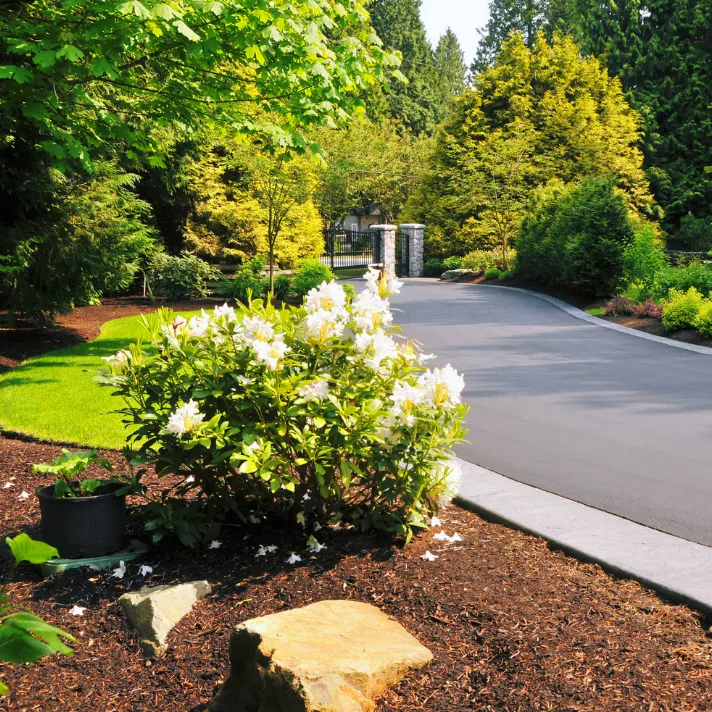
(331,656)
(453,274)
(155,610)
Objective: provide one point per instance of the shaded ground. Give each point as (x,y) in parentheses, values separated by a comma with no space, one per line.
(82,324)
(514,627)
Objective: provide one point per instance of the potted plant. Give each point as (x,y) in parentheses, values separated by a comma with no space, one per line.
(82,518)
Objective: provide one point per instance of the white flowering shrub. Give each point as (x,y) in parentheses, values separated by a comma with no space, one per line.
(318,414)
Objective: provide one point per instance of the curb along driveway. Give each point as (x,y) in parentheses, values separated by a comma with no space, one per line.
(620,423)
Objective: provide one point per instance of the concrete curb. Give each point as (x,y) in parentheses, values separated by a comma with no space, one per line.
(681,570)
(580,314)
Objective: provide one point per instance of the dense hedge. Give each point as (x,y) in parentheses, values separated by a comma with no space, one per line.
(575,237)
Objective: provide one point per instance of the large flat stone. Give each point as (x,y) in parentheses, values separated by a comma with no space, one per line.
(331,656)
(155,610)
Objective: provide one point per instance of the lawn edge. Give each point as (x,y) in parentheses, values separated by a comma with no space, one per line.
(679,569)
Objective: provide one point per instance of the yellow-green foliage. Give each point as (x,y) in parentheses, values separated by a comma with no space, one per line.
(682,309)
(563,117)
(229,218)
(482,260)
(703,322)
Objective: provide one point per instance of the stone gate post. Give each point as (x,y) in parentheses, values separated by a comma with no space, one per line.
(415,234)
(387,235)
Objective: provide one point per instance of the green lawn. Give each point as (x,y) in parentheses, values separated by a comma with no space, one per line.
(53,396)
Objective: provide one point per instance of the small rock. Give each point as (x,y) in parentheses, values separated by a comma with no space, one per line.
(155,610)
(331,656)
(457,274)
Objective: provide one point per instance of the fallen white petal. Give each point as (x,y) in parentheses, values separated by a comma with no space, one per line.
(215,544)
(455,537)
(442,536)
(145,570)
(119,571)
(189,480)
(428,556)
(77,611)
(435,522)
(23,497)
(294,559)
(7,485)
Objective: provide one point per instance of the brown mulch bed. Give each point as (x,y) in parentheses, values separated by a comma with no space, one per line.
(654,326)
(513,626)
(82,324)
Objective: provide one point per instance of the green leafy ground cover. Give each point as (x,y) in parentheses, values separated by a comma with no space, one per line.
(54,396)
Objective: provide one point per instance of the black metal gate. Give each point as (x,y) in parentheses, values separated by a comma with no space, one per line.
(402,254)
(351,249)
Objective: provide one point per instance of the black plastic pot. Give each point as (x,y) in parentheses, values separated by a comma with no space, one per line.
(80,527)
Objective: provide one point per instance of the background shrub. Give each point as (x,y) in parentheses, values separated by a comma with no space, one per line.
(433,267)
(682,309)
(454,262)
(503,276)
(492,273)
(575,238)
(695,274)
(703,322)
(481,260)
(619,306)
(282,287)
(644,259)
(247,280)
(179,277)
(311,273)
(648,308)
(694,235)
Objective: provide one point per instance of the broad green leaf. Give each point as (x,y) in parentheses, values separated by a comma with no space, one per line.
(247,467)
(26,549)
(186,31)
(72,53)
(17,646)
(3,688)
(101,66)
(33,110)
(48,633)
(46,58)
(54,149)
(135,7)
(164,11)
(21,75)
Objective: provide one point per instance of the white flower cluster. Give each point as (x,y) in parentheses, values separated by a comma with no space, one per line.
(185,419)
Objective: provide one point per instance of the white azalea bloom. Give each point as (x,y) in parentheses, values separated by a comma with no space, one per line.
(406,395)
(322,325)
(435,522)
(145,570)
(119,360)
(215,544)
(270,353)
(328,296)
(372,277)
(314,546)
(245,381)
(448,475)
(294,559)
(428,556)
(224,313)
(442,387)
(7,485)
(306,496)
(371,312)
(178,324)
(24,496)
(380,347)
(314,391)
(185,419)
(394,286)
(77,611)
(198,325)
(256,329)
(120,571)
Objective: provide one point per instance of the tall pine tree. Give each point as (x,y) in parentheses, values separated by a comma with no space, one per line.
(451,69)
(660,50)
(524,17)
(416,104)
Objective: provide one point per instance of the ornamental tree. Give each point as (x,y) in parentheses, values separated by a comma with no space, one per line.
(82,74)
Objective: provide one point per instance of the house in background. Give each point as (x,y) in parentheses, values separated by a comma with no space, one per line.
(361,220)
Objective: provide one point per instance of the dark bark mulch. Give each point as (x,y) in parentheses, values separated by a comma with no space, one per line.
(82,324)
(650,325)
(514,627)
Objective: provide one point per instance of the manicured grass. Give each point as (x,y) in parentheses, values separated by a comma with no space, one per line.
(596,311)
(54,396)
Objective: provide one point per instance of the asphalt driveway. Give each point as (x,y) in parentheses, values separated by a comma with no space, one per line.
(601,417)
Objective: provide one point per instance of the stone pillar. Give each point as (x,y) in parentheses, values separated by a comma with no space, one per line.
(415,235)
(387,235)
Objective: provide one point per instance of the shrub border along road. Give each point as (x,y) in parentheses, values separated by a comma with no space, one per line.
(580,314)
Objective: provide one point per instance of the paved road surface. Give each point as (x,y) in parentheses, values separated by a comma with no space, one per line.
(601,417)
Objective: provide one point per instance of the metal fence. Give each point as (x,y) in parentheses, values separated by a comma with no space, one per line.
(351,249)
